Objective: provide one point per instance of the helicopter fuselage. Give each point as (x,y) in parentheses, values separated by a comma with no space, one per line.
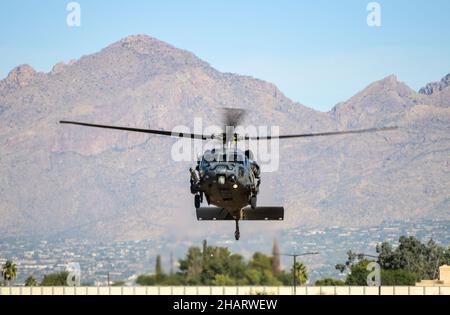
(226,178)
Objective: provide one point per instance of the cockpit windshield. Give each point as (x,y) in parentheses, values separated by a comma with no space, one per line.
(221,156)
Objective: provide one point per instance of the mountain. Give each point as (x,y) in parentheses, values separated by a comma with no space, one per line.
(439,91)
(63,181)
(436,87)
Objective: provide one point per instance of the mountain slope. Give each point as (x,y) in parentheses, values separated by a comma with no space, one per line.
(436,87)
(68,181)
(439,92)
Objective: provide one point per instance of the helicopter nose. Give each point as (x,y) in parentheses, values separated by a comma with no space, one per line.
(221,180)
(221,170)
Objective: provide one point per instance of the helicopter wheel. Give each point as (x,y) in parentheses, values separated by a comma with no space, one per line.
(197,201)
(253,201)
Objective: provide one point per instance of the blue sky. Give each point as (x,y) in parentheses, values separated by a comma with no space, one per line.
(317,52)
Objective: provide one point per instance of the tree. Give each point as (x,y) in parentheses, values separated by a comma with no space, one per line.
(218,266)
(223,280)
(276,264)
(329,282)
(358,274)
(398,277)
(261,262)
(31,282)
(9,271)
(205,252)
(252,276)
(356,268)
(191,267)
(352,258)
(236,266)
(158,267)
(421,259)
(285,278)
(260,271)
(58,279)
(301,273)
(119,283)
(146,280)
(219,261)
(407,263)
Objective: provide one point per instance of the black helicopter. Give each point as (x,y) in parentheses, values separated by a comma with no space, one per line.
(227,177)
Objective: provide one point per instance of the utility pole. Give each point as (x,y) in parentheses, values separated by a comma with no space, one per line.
(171,263)
(108,279)
(294,271)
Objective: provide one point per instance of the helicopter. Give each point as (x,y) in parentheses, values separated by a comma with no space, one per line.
(227,178)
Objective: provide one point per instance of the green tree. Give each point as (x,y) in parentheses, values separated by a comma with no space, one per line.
(352,258)
(158,267)
(31,282)
(261,262)
(276,264)
(398,277)
(260,271)
(9,271)
(404,264)
(119,283)
(358,274)
(205,252)
(218,261)
(301,273)
(174,280)
(329,282)
(236,266)
(191,267)
(210,265)
(421,259)
(58,279)
(252,276)
(223,280)
(146,280)
(285,278)
(356,268)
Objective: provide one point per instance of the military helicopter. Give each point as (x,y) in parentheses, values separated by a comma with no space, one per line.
(228,178)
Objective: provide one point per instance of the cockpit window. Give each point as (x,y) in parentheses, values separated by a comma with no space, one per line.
(217,157)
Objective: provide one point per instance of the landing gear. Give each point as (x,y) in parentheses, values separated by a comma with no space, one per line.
(194,181)
(197,201)
(237,234)
(253,201)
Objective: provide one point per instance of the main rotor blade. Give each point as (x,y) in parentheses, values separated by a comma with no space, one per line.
(323,134)
(149,131)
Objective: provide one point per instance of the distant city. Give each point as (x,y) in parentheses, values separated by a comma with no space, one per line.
(123,261)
